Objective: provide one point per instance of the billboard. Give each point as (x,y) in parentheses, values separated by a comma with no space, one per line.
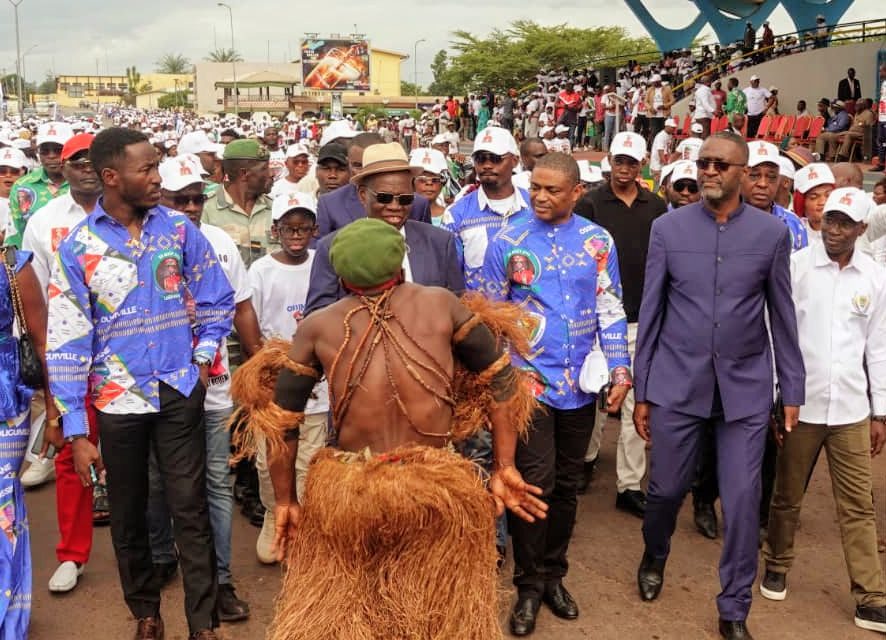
(342,65)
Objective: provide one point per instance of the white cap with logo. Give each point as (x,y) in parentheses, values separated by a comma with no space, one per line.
(786,167)
(813,175)
(297,149)
(287,201)
(196,142)
(54,132)
(684,170)
(429,160)
(12,157)
(181,171)
(760,151)
(628,143)
(495,140)
(852,201)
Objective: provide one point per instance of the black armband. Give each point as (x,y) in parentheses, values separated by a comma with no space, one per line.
(293,390)
(475,348)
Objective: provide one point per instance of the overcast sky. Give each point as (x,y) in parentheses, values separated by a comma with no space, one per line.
(107,36)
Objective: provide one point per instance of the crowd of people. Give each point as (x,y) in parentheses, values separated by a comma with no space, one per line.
(369,286)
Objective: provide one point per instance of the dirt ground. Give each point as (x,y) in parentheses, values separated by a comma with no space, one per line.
(605,551)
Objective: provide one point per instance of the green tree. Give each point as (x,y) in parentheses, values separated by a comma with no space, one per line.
(443,84)
(409,89)
(512,57)
(48,85)
(173,100)
(224,55)
(173,63)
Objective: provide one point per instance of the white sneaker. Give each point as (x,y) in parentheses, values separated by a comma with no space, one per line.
(65,577)
(265,541)
(39,472)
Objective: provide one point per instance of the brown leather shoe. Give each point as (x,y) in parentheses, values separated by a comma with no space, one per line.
(203,634)
(149,628)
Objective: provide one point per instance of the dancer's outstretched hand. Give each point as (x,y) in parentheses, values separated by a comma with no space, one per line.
(286,518)
(509,490)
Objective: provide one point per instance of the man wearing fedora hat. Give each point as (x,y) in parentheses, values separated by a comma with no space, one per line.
(384,187)
(342,206)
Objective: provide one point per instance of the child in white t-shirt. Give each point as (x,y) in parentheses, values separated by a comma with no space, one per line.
(279,283)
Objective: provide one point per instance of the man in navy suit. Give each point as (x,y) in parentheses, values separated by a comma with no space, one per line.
(703,360)
(384,189)
(342,206)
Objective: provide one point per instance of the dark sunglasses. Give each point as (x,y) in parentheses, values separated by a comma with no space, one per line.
(383,197)
(484,157)
(685,185)
(83,164)
(183,201)
(428,180)
(720,165)
(9,171)
(48,147)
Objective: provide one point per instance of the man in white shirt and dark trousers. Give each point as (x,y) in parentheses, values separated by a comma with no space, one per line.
(705,105)
(758,102)
(279,283)
(840,298)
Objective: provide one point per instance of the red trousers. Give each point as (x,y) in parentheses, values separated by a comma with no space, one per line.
(73,503)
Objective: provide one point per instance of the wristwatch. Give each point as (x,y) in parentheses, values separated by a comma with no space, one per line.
(202,361)
(70,439)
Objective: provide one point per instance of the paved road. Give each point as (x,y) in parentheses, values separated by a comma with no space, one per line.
(604,555)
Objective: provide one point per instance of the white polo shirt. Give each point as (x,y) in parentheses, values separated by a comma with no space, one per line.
(841,323)
(756,100)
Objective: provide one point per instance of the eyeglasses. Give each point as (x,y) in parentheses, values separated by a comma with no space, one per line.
(290,232)
(49,148)
(383,197)
(721,166)
(300,161)
(83,164)
(771,178)
(428,180)
(9,171)
(183,201)
(483,157)
(686,185)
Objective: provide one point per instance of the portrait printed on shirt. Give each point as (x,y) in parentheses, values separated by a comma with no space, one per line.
(522,267)
(26,199)
(167,269)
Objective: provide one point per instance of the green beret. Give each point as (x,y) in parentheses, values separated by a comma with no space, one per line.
(246,149)
(367,253)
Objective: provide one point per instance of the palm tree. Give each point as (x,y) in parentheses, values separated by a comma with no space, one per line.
(174,63)
(224,55)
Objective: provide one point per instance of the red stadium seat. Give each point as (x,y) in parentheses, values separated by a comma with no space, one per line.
(814,130)
(801,127)
(763,130)
(783,129)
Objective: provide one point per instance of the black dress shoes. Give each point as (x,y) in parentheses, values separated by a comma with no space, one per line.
(630,501)
(706,519)
(735,630)
(524,614)
(650,577)
(560,602)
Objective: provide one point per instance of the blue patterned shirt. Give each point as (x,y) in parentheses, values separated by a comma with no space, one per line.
(799,237)
(476,225)
(566,278)
(119,321)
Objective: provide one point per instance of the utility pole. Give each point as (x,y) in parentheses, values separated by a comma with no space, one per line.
(18,61)
(415,69)
(233,56)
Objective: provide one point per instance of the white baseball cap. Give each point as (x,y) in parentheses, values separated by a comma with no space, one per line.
(544,130)
(684,170)
(696,128)
(670,122)
(665,172)
(786,167)
(287,201)
(495,140)
(440,138)
(628,143)
(813,175)
(852,201)
(655,78)
(181,171)
(561,128)
(588,172)
(760,151)
(12,157)
(754,77)
(429,160)
(54,132)
(337,129)
(196,142)
(297,149)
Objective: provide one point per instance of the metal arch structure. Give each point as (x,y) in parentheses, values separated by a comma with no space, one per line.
(728,18)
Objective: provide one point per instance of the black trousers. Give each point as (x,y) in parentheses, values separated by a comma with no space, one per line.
(656,124)
(553,459)
(754,125)
(180,444)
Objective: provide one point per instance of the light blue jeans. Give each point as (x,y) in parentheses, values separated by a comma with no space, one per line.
(220,495)
(608,131)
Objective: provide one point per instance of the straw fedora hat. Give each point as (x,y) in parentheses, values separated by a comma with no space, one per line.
(384,158)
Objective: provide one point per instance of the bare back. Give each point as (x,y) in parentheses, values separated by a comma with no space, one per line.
(393,404)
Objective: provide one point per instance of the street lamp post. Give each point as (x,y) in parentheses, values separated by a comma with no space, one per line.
(233,56)
(25,55)
(18,60)
(415,69)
